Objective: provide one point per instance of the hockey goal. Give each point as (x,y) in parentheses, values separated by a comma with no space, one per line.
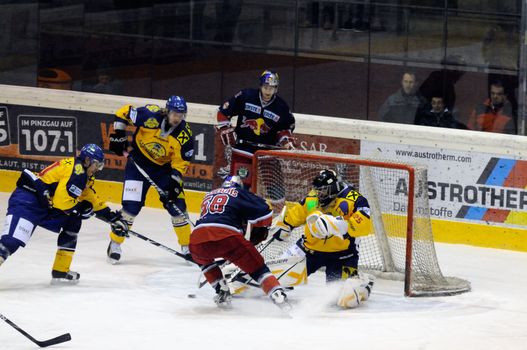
(402,244)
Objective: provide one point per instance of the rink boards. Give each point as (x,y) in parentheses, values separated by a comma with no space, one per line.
(476,181)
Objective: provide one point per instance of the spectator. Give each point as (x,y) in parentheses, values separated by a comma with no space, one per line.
(402,106)
(495,114)
(103,83)
(437,114)
(442,82)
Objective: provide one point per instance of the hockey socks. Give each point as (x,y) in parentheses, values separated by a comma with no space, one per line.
(61,268)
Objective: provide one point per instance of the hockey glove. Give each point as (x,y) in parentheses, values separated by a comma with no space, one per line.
(281,231)
(115,219)
(118,224)
(259,234)
(227,135)
(118,142)
(83,210)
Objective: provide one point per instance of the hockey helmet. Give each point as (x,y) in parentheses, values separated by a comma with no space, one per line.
(327,186)
(232,181)
(94,153)
(177,104)
(270,78)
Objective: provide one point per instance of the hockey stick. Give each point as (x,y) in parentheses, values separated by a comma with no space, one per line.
(57,340)
(151,241)
(237,277)
(159,190)
(259,145)
(221,263)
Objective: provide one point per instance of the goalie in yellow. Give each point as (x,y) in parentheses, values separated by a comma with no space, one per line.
(334,216)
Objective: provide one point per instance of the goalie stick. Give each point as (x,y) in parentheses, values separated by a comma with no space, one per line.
(159,190)
(45,343)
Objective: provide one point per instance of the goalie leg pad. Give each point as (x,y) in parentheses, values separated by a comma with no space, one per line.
(355,291)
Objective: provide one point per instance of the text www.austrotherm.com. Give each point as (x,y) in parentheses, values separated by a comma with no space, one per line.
(434,155)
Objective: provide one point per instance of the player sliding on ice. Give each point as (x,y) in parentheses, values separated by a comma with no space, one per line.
(58,199)
(219,233)
(162,147)
(334,216)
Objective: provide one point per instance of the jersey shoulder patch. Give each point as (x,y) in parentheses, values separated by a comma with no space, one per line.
(350,193)
(183,134)
(153,108)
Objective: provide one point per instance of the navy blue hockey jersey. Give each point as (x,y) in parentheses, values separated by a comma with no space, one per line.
(257,122)
(232,208)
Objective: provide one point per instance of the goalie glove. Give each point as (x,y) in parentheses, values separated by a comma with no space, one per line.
(323,226)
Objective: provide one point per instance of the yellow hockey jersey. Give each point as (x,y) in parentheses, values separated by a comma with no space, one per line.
(69,184)
(349,204)
(153,141)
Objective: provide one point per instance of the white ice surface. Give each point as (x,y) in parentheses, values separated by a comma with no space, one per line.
(142,303)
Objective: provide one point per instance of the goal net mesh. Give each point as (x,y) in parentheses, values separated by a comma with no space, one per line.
(285,176)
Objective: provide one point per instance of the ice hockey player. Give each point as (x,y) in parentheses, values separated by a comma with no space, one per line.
(162,147)
(334,216)
(264,118)
(219,234)
(57,199)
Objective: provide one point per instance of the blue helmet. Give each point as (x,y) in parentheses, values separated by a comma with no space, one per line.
(232,181)
(177,103)
(94,153)
(270,78)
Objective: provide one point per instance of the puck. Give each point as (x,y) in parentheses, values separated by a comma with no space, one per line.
(192,296)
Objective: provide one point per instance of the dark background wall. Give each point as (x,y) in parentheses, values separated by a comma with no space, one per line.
(334,58)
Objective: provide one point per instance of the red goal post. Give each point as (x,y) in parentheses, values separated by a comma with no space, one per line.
(401,245)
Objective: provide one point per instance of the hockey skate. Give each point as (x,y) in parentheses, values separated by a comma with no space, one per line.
(59,277)
(279,298)
(4,253)
(114,252)
(223,295)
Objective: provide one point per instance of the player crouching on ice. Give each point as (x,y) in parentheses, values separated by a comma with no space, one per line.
(335,215)
(219,234)
(57,199)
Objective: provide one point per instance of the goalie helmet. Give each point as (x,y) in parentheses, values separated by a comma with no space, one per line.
(328,186)
(270,78)
(94,153)
(232,181)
